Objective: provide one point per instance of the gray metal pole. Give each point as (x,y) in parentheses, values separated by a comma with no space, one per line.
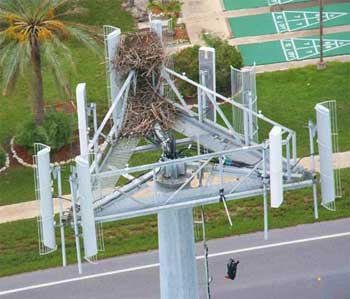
(221,160)
(63,243)
(266,224)
(321,65)
(314,178)
(178,268)
(75,219)
(207,275)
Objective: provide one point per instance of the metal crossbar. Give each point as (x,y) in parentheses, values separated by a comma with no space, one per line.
(177,161)
(108,115)
(258,115)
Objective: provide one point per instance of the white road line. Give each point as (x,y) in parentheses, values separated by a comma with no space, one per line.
(81,278)
(347,234)
(75,279)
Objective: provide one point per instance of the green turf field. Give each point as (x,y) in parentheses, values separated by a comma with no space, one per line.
(295,49)
(287,21)
(244,4)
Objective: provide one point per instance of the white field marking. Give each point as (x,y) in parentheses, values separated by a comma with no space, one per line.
(275,23)
(306,19)
(284,50)
(286,20)
(317,51)
(295,49)
(315,47)
(155,265)
(279,2)
(310,18)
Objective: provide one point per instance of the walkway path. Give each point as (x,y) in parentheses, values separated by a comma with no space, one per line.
(30,209)
(26,210)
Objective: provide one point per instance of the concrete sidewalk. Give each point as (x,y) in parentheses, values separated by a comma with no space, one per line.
(26,210)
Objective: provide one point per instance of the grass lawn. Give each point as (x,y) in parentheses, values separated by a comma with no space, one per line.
(140,234)
(289,98)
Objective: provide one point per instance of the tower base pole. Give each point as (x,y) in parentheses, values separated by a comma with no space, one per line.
(178,268)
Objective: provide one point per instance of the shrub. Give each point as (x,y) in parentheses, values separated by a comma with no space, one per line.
(2,157)
(28,134)
(226,56)
(58,128)
(55,132)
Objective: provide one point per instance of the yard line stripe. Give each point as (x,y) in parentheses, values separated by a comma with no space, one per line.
(155,265)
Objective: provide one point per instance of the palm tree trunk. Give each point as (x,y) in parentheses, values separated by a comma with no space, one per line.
(37,82)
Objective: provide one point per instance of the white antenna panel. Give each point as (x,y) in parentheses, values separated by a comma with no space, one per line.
(207,77)
(157,27)
(113,40)
(325,148)
(82,119)
(86,208)
(45,199)
(276,167)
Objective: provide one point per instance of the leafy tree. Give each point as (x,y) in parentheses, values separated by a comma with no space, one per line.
(226,55)
(32,35)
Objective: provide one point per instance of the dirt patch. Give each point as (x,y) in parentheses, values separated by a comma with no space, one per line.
(67,107)
(181,33)
(65,153)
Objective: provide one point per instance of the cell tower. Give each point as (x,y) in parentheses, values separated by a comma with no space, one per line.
(234,165)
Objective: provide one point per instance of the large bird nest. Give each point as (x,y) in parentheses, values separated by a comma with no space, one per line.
(144,53)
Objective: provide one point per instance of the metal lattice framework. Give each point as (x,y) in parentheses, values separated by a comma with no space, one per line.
(234,165)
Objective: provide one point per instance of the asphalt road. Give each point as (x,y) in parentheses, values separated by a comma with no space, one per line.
(307,261)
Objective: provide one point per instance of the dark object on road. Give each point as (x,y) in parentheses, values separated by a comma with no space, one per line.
(232,269)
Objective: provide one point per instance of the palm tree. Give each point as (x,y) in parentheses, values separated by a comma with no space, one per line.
(32,34)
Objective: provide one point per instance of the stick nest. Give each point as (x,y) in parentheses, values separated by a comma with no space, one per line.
(140,51)
(144,53)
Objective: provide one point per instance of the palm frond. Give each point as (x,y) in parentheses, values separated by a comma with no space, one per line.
(54,63)
(14,61)
(73,12)
(49,24)
(85,38)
